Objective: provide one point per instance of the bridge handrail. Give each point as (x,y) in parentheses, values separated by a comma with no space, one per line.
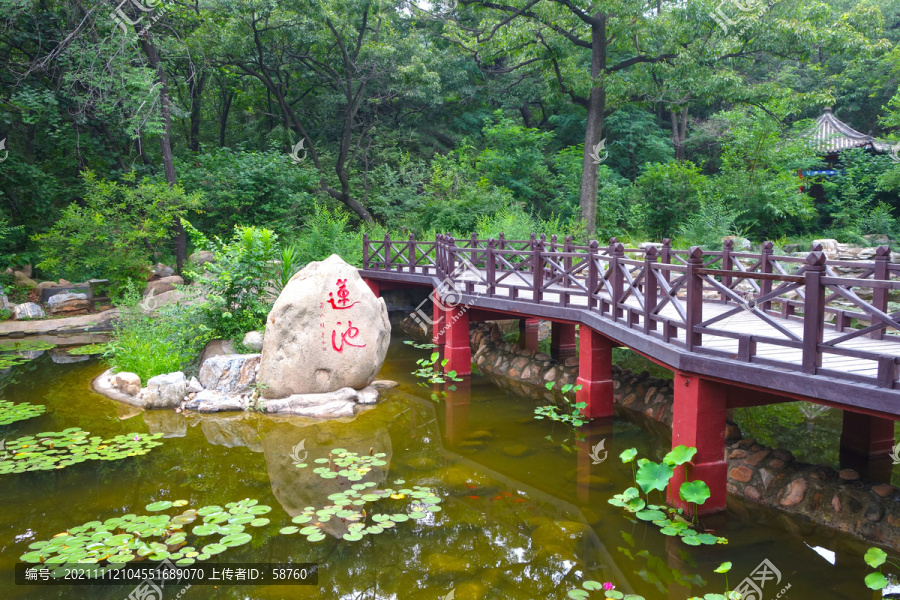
(632,286)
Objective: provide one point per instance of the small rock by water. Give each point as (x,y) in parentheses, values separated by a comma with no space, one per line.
(28,310)
(164,391)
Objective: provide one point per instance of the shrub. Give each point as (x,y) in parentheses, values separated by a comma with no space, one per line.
(149,345)
(113,234)
(667,194)
(326,232)
(237,286)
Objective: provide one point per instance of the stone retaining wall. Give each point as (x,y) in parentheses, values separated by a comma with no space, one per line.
(760,474)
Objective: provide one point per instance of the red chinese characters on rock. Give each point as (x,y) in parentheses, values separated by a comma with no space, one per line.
(341,340)
(343,301)
(349,334)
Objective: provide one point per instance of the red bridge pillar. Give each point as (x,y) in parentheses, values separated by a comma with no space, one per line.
(595,373)
(374,285)
(867,443)
(562,340)
(457,351)
(528,333)
(698,420)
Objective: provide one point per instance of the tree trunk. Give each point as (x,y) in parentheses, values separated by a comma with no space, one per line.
(196,91)
(180,238)
(592,136)
(679,130)
(227,97)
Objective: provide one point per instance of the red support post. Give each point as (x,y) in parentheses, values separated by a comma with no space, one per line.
(867,444)
(562,340)
(595,373)
(374,285)
(457,351)
(698,421)
(528,333)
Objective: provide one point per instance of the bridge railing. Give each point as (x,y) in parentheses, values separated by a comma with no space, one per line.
(804,313)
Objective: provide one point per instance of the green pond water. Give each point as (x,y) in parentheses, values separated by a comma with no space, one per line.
(524,509)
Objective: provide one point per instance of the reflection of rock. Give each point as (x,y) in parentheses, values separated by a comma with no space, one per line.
(126,411)
(61,357)
(298,359)
(232,431)
(168,423)
(296,488)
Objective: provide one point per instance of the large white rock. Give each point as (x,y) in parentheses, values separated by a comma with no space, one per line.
(326,331)
(164,391)
(28,310)
(229,373)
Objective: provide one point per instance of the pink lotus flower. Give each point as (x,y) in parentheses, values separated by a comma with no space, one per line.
(608,586)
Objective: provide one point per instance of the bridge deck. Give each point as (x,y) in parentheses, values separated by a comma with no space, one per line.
(796,327)
(743,322)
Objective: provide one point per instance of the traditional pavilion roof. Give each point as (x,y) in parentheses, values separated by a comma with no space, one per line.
(832,135)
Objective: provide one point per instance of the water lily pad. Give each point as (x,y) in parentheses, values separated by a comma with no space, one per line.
(237,539)
(213,549)
(353,537)
(260,522)
(291,529)
(316,537)
(161,505)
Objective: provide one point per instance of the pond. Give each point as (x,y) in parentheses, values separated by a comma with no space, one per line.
(524,510)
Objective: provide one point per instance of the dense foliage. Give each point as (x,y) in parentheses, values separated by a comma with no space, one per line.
(323,120)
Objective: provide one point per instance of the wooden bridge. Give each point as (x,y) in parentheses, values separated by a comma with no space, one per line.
(737,328)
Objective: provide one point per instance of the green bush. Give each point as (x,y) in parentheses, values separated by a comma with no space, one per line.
(115,232)
(166,341)
(326,232)
(237,286)
(667,194)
